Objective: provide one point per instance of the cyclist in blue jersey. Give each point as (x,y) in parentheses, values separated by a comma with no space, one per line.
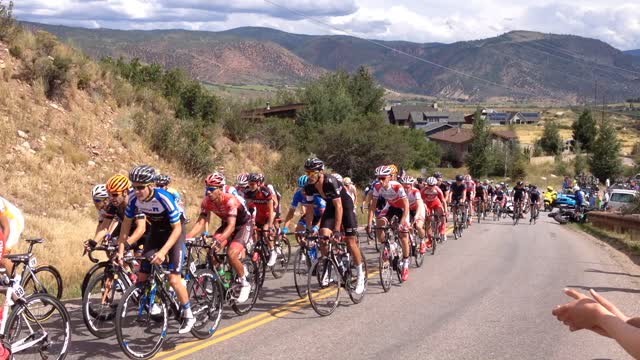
(166,234)
(299,198)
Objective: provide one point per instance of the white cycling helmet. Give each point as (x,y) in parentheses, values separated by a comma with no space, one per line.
(383,171)
(99,192)
(431,181)
(576,188)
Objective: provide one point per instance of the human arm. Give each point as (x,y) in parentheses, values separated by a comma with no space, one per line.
(337,204)
(199,226)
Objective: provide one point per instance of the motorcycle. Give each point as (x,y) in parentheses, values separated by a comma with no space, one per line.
(566,215)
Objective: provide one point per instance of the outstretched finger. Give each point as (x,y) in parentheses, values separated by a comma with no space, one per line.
(574,294)
(608,305)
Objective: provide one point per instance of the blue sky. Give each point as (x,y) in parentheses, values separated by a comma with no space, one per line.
(616,22)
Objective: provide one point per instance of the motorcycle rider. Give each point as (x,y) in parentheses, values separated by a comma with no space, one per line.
(550,197)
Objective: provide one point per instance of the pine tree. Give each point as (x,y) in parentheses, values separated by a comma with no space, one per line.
(605,162)
(585,131)
(477,160)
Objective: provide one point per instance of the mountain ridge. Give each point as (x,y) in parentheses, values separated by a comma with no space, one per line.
(521,64)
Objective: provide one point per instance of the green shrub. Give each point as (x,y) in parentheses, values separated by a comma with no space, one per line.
(15,51)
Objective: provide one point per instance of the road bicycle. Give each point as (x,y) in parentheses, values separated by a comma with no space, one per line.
(390,258)
(261,254)
(26,331)
(330,273)
(306,257)
(534,213)
(458,220)
(517,212)
(43,279)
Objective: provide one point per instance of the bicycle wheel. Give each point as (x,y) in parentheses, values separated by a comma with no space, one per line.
(376,241)
(87,277)
(301,266)
(417,255)
(352,279)
(253,272)
(206,295)
(283,249)
(516,215)
(323,287)
(385,267)
(45,280)
(434,238)
(140,335)
(26,338)
(99,303)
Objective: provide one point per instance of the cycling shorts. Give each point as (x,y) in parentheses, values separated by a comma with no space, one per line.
(156,240)
(303,221)
(417,214)
(17,226)
(240,236)
(349,221)
(434,205)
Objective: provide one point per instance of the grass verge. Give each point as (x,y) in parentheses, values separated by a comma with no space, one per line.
(621,242)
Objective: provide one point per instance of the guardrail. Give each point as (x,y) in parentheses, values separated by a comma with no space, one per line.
(624,224)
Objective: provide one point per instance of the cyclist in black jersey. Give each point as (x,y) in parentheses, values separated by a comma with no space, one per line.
(519,194)
(443,185)
(457,192)
(338,214)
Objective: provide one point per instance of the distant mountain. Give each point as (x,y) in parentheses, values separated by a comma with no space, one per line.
(519,65)
(633,52)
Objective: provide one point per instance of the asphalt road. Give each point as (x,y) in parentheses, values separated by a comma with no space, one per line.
(488,295)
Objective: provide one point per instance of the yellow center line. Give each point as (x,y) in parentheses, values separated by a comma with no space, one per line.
(251,323)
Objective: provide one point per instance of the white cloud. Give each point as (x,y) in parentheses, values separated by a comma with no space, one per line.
(617,23)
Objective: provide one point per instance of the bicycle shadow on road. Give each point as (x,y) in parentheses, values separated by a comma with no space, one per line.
(611,272)
(604,289)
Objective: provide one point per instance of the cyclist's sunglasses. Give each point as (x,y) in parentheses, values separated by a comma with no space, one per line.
(140,187)
(311,173)
(212,188)
(382,178)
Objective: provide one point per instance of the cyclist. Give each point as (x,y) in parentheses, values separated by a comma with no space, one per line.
(397,205)
(337,215)
(457,193)
(275,193)
(500,196)
(488,186)
(260,199)
(119,189)
(443,185)
(481,196)
(534,196)
(416,208)
(100,201)
(519,194)
(300,198)
(435,202)
(11,227)
(471,195)
(166,234)
(236,225)
(241,183)
(162,182)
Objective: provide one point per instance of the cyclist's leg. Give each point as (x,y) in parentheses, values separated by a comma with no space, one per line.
(419,222)
(350,226)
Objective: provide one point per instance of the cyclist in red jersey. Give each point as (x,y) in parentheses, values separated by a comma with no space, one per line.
(236,225)
(260,199)
(397,205)
(435,201)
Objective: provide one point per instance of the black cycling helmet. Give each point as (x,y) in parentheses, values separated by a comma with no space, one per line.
(143,174)
(163,180)
(313,164)
(253,177)
(519,183)
(420,180)
(437,175)
(459,177)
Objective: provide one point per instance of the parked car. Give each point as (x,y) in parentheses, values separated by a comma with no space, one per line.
(620,198)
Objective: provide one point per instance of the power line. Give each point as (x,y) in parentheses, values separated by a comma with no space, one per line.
(417,57)
(400,51)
